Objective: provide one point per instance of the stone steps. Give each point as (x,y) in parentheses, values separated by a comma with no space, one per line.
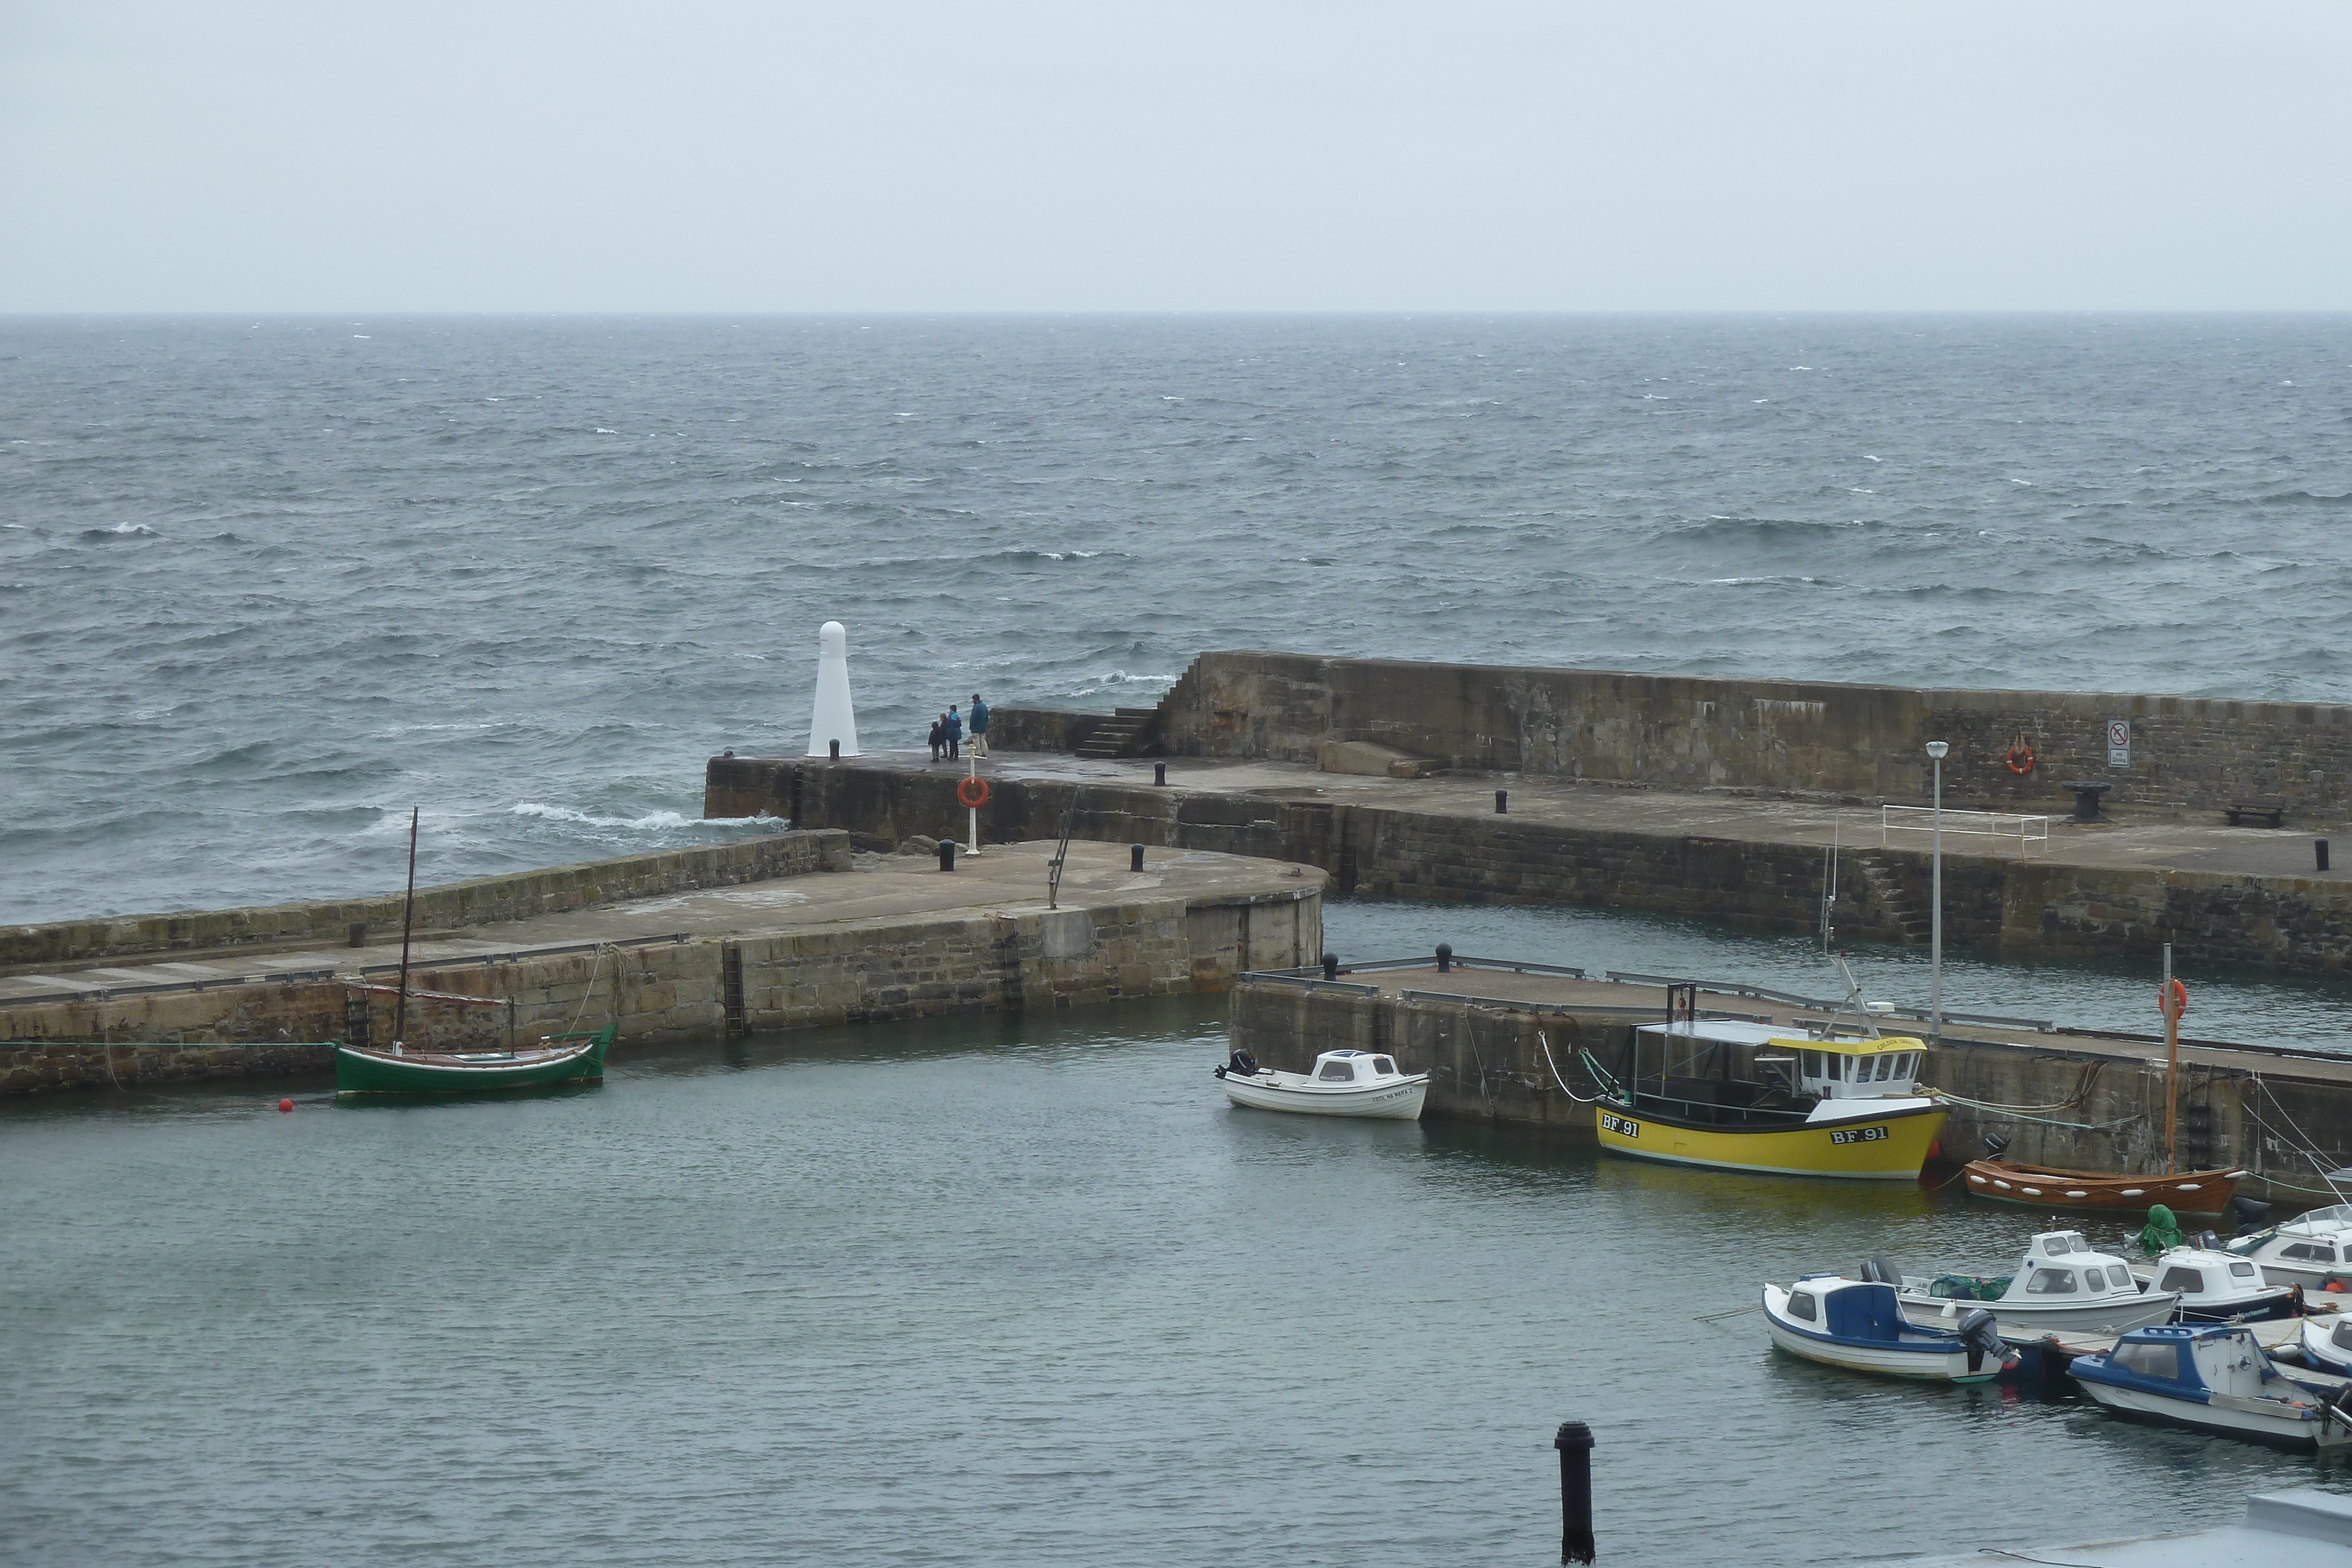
(1124,734)
(1886,893)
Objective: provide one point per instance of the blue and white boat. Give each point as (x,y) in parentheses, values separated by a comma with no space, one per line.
(1858,1324)
(2216,1287)
(2328,1344)
(2216,1379)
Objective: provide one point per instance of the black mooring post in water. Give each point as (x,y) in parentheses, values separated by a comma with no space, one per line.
(1134,857)
(1446,957)
(2319,853)
(1574,1441)
(1502,802)
(946,854)
(1330,965)
(836,749)
(1160,773)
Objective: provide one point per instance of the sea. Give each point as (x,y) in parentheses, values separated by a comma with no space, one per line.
(267,584)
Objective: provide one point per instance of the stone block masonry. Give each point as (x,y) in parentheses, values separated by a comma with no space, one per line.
(896,940)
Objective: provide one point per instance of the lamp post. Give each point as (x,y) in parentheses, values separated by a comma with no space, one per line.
(1936,749)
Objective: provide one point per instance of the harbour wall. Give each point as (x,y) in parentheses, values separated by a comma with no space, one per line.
(1689,732)
(481,901)
(2291,925)
(667,990)
(1487,1062)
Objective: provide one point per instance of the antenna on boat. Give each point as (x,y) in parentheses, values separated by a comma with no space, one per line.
(1864,1018)
(407,918)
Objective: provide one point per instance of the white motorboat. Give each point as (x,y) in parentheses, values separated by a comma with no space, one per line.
(2327,1344)
(1343,1083)
(1856,1324)
(2215,1378)
(2216,1288)
(2304,1250)
(2063,1286)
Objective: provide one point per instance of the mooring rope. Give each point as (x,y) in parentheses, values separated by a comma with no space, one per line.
(1555,1078)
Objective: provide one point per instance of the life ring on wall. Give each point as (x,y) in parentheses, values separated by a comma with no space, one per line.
(972,792)
(2019,759)
(2172,999)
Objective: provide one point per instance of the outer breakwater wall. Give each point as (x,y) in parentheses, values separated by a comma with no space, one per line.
(482,901)
(1486,1063)
(1691,732)
(2046,908)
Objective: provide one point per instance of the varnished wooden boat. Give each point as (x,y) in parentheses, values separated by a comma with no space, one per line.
(2053,1186)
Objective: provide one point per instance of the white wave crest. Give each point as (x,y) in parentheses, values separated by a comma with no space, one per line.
(652,821)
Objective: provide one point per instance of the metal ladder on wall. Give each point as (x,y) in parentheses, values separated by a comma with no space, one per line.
(1054,866)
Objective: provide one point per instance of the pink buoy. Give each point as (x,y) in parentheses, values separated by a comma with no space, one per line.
(286,1105)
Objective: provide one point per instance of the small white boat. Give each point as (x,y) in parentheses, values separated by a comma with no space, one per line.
(2063,1286)
(2327,1344)
(2216,1288)
(1856,1324)
(1343,1083)
(2304,1250)
(2214,1378)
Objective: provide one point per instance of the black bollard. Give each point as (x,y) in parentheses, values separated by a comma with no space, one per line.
(358,928)
(946,854)
(1134,857)
(1574,1441)
(1160,773)
(1502,802)
(2319,853)
(1446,957)
(1330,965)
(836,750)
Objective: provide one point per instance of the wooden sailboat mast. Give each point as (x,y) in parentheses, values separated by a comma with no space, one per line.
(2171,1067)
(407,921)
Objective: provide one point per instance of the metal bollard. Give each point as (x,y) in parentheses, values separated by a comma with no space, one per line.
(946,854)
(836,750)
(1446,957)
(1134,857)
(1574,1441)
(1330,965)
(358,928)
(1160,773)
(2319,850)
(1502,802)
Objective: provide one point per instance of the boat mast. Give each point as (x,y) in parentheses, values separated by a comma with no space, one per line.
(2171,1062)
(407,919)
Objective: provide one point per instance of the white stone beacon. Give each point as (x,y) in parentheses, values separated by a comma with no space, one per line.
(833,718)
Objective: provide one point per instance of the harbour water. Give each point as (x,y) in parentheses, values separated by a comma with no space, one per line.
(266,583)
(1003,1290)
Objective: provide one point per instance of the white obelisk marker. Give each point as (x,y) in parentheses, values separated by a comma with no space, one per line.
(833,718)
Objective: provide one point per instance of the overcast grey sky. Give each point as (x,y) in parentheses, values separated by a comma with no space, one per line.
(254,155)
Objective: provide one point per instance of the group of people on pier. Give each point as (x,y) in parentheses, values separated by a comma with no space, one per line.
(948,732)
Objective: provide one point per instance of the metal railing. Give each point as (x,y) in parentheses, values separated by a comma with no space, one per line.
(1997,826)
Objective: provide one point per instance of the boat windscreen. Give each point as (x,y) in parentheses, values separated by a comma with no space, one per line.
(1864,1311)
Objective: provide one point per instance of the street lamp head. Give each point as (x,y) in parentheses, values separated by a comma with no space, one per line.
(1936,748)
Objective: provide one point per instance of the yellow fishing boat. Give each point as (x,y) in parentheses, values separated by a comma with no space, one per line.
(1733,1095)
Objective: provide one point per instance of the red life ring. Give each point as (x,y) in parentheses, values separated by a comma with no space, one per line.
(2172,999)
(2019,759)
(972,792)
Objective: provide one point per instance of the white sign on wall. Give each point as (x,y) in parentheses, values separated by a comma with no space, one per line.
(2120,743)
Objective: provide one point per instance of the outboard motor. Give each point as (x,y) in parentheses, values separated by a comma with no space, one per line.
(1882,1269)
(2250,1212)
(1243,1063)
(2206,1240)
(1996,1145)
(1981,1334)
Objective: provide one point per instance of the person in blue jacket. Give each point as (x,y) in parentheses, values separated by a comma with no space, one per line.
(979,726)
(955,733)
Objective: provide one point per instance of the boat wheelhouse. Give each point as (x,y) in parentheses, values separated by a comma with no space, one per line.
(2216,1288)
(1738,1096)
(2063,1284)
(2304,1250)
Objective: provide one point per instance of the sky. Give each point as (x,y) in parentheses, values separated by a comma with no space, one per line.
(251,155)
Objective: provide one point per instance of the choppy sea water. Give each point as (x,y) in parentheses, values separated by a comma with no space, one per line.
(265,585)
(1004,1291)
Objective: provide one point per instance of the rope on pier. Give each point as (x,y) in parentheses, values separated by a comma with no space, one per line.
(1564,1089)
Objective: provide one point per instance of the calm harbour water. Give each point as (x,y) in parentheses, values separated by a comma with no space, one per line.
(267,583)
(998,1290)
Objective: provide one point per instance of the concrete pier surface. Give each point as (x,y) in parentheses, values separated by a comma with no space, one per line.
(1502,1045)
(893,936)
(2120,886)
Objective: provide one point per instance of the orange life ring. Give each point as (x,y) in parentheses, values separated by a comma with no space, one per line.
(972,792)
(2172,999)
(2019,759)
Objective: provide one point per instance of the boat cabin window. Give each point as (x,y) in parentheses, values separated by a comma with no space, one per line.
(2119,1277)
(2242,1270)
(2050,1283)
(1337,1072)
(2308,1252)
(2342,1336)
(2058,1243)
(1811,1063)
(1383,1068)
(1800,1305)
(1885,1068)
(2181,1279)
(2161,1361)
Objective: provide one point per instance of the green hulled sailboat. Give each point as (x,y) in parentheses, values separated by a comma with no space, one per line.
(577,1056)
